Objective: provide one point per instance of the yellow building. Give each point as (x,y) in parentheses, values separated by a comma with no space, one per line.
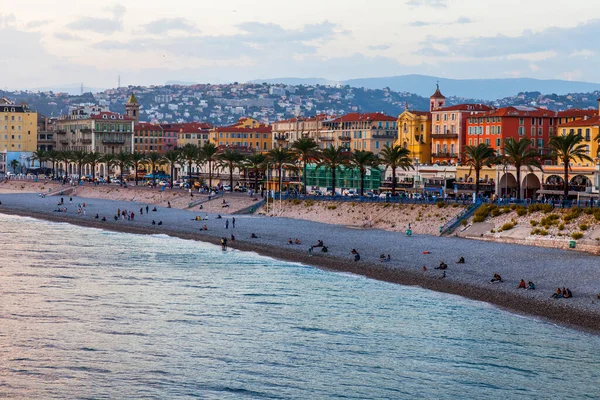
(588,129)
(18,128)
(414,134)
(247,134)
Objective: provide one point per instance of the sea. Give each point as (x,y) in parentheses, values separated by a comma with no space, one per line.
(92,314)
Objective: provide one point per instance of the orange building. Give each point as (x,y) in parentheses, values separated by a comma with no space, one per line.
(246,133)
(148,138)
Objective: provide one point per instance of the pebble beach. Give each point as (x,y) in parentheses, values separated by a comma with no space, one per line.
(547,268)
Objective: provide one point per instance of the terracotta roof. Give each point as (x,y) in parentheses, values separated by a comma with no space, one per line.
(465,107)
(242,129)
(357,117)
(147,126)
(319,117)
(577,112)
(520,111)
(195,127)
(594,121)
(111,116)
(437,94)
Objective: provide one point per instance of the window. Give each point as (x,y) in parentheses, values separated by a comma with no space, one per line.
(470,142)
(540,143)
(540,121)
(521,130)
(487,141)
(532,121)
(521,121)
(587,134)
(376,145)
(453,117)
(540,131)
(533,131)
(498,142)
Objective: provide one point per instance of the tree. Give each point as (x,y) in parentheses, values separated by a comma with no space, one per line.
(230,159)
(256,162)
(39,155)
(93,159)
(79,157)
(189,155)
(567,149)
(65,157)
(362,160)
(520,154)
(279,157)
(137,159)
(333,159)
(172,157)
(477,157)
(123,160)
(109,160)
(154,159)
(209,155)
(14,164)
(53,156)
(305,149)
(395,157)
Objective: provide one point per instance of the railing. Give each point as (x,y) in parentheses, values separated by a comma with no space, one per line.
(444,136)
(471,186)
(445,155)
(451,225)
(561,187)
(326,139)
(281,138)
(113,141)
(384,136)
(345,138)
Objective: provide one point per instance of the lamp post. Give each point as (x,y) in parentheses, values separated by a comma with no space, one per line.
(267,184)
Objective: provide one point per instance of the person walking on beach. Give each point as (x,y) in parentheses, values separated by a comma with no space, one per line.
(233,223)
(224,243)
(227,224)
(147,209)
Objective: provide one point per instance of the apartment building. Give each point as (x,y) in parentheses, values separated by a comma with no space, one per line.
(247,133)
(355,131)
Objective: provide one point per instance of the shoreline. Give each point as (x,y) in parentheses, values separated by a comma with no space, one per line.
(551,310)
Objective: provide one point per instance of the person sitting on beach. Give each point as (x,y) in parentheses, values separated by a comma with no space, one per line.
(116,218)
(388,259)
(232,238)
(253,236)
(424,268)
(382,257)
(297,241)
(204,228)
(443,275)
(461,260)
(530,286)
(201,207)
(219,216)
(154,209)
(443,265)
(103,219)
(558,294)
(290,241)
(319,244)
(159,223)
(356,255)
(324,249)
(522,285)
(497,278)
(566,293)
(96,216)
(168,204)
(153,222)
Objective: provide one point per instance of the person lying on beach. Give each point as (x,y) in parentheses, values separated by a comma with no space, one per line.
(461,260)
(443,265)
(154,209)
(319,244)
(159,223)
(558,294)
(356,255)
(297,241)
(219,216)
(497,278)
(530,286)
(103,219)
(522,285)
(253,236)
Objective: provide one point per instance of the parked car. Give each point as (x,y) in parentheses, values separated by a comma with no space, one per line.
(385,195)
(350,193)
(227,188)
(240,189)
(115,180)
(315,193)
(369,194)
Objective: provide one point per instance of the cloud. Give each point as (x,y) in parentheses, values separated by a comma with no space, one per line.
(380,47)
(459,21)
(585,53)
(37,24)
(68,37)
(7,20)
(428,3)
(99,24)
(166,25)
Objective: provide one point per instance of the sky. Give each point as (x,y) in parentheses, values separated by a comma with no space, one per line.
(58,43)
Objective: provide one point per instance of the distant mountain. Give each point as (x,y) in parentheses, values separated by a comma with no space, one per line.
(297,81)
(484,89)
(70,88)
(181,83)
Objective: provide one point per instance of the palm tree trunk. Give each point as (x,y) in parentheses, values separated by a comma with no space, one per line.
(231,178)
(518,182)
(566,182)
(189,173)
(393,181)
(304,177)
(255,179)
(172,170)
(362,183)
(210,174)
(333,181)
(477,171)
(122,168)
(136,172)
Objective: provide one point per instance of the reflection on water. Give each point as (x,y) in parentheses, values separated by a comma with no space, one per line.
(92,314)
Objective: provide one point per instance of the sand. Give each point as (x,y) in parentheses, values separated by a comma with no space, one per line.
(548,268)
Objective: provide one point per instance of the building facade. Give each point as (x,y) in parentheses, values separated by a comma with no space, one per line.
(148,138)
(195,133)
(246,133)
(355,131)
(288,131)
(414,134)
(18,127)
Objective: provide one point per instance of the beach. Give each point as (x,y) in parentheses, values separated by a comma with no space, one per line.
(547,268)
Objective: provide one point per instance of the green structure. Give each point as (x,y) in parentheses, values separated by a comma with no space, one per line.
(347,178)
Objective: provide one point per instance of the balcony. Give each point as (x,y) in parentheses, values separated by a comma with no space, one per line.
(444,135)
(280,138)
(113,141)
(326,139)
(86,141)
(344,138)
(444,155)
(470,186)
(64,141)
(384,135)
(86,130)
(61,132)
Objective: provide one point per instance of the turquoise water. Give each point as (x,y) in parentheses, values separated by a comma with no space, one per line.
(92,314)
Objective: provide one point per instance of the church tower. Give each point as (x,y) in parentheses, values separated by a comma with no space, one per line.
(437,100)
(132,108)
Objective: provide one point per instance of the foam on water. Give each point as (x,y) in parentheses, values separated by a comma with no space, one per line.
(92,314)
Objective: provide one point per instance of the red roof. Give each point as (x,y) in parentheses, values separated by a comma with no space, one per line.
(193,127)
(237,128)
(319,117)
(357,117)
(577,112)
(465,107)
(437,94)
(111,116)
(520,111)
(147,126)
(582,122)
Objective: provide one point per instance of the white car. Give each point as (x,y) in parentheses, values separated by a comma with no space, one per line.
(385,195)
(227,188)
(163,183)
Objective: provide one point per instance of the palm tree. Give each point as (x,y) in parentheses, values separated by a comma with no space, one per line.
(520,154)
(305,150)
(137,159)
(14,165)
(256,162)
(567,149)
(109,160)
(189,155)
(230,159)
(172,157)
(93,159)
(53,156)
(65,157)
(395,157)
(333,159)
(477,157)
(123,160)
(40,155)
(362,160)
(209,155)
(155,160)
(280,156)
(79,157)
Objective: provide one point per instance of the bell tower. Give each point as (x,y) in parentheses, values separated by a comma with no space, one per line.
(437,100)
(132,108)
